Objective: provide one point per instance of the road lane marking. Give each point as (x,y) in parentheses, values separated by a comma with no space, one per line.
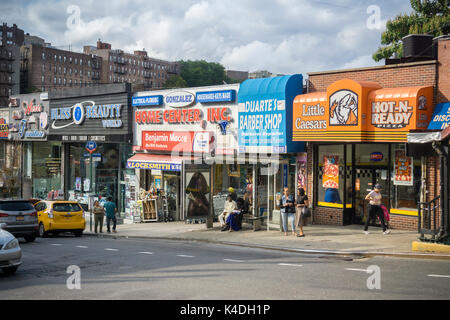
(290,264)
(438,276)
(146,252)
(56,244)
(362,270)
(184,256)
(84,247)
(108,249)
(232,260)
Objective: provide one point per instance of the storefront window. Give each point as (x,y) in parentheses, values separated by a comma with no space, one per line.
(46,166)
(331,175)
(100,179)
(406,180)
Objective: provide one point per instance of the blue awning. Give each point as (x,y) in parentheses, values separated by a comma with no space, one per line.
(441,117)
(265,113)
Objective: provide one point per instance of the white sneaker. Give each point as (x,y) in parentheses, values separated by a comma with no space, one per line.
(366,232)
(387,232)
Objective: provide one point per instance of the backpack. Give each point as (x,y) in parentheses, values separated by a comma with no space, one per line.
(385,212)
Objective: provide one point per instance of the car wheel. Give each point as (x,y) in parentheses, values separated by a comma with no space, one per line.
(10,270)
(30,238)
(42,232)
(78,233)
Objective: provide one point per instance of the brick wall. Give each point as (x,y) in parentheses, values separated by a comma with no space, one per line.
(443,92)
(392,76)
(402,222)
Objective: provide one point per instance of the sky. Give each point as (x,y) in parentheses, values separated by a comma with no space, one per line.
(281,36)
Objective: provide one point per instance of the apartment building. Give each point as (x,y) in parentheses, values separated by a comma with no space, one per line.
(11,38)
(46,68)
(136,68)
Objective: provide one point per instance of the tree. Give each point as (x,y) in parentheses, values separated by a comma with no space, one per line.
(175,82)
(202,73)
(429,17)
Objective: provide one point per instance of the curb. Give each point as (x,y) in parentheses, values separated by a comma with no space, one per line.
(430,247)
(359,254)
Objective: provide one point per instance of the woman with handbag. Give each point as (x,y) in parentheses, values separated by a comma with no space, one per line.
(287,206)
(302,211)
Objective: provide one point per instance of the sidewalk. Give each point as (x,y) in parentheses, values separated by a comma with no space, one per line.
(345,240)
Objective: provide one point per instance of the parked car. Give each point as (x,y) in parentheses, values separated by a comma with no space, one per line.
(55,216)
(10,252)
(20,217)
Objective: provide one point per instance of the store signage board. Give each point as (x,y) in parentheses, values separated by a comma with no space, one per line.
(179,99)
(264,106)
(176,141)
(147,101)
(403,169)
(109,114)
(29,118)
(441,117)
(219,119)
(150,165)
(361,111)
(216,96)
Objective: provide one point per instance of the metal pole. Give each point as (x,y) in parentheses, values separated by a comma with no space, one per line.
(90,175)
(269,168)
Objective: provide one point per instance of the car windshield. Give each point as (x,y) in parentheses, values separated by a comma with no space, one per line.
(66,207)
(16,206)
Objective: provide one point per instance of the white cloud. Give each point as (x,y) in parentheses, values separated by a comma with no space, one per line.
(282,36)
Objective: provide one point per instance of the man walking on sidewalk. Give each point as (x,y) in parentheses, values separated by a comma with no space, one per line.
(111,209)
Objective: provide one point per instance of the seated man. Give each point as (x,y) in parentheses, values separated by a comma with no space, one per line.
(234,220)
(230,205)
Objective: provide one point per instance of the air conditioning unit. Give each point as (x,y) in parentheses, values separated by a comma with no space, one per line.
(418,46)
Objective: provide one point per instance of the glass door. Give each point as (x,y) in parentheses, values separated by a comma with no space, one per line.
(365,180)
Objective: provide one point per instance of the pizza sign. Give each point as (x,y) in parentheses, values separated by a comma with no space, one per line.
(330,178)
(391,115)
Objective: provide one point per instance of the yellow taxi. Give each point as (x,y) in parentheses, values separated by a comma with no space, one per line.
(55,216)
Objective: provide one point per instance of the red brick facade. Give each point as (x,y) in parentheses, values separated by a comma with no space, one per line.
(428,73)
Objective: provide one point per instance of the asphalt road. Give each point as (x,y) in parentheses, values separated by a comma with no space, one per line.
(157,269)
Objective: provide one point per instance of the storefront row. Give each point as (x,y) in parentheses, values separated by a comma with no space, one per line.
(174,154)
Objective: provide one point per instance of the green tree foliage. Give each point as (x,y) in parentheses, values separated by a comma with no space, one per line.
(202,73)
(175,82)
(429,17)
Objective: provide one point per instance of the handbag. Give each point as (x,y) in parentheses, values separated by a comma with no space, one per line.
(306,212)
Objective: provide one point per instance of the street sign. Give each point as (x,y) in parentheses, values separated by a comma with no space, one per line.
(91,146)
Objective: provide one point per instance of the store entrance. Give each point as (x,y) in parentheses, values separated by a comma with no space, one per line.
(365,178)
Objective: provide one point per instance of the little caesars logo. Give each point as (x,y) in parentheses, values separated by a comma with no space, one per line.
(311,118)
(390,115)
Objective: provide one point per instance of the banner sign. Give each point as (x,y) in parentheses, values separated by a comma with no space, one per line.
(330,175)
(216,96)
(403,169)
(178,141)
(361,111)
(147,101)
(149,165)
(4,129)
(302,176)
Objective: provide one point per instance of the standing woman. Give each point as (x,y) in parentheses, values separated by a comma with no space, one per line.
(302,203)
(375,210)
(287,206)
(99,214)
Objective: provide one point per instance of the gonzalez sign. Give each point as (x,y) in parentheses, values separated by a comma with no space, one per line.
(361,111)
